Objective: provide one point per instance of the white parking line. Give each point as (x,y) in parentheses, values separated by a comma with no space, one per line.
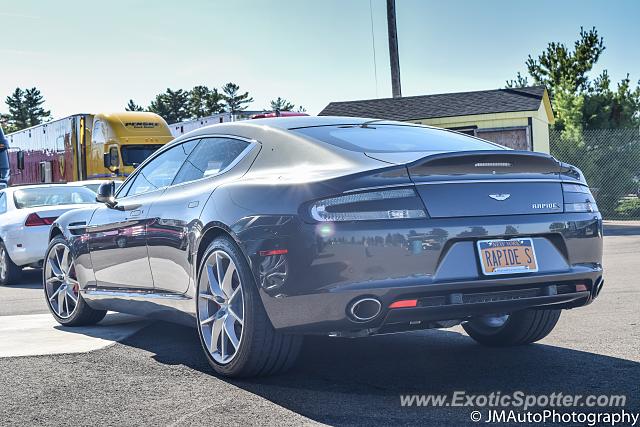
(40,334)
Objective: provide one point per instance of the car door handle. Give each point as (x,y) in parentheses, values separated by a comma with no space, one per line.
(193,204)
(136,212)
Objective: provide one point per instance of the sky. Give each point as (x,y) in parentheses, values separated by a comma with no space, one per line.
(90,56)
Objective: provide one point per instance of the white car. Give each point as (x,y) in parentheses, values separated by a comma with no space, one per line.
(93,184)
(26,214)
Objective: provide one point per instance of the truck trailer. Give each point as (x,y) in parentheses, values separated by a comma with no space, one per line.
(85,146)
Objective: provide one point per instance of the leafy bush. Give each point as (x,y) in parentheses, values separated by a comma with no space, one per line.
(629,208)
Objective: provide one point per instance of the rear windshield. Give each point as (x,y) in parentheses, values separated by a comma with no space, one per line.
(133,155)
(51,196)
(395,138)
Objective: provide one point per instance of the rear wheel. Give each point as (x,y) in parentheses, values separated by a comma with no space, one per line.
(62,289)
(235,332)
(522,327)
(9,271)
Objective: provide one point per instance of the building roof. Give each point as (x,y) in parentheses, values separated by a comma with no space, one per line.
(442,105)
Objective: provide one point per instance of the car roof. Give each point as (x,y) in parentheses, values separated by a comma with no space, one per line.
(249,128)
(283,123)
(297,122)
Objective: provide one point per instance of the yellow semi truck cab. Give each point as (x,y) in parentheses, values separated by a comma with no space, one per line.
(121,141)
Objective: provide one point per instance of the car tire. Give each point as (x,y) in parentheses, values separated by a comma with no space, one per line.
(522,327)
(262,350)
(10,273)
(81,314)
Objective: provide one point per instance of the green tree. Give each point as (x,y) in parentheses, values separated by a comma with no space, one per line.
(215,102)
(558,65)
(204,102)
(132,106)
(5,122)
(281,104)
(18,117)
(565,73)
(172,105)
(605,108)
(519,81)
(25,108)
(234,100)
(33,100)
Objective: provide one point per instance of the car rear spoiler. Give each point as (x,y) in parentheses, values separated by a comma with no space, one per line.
(485,162)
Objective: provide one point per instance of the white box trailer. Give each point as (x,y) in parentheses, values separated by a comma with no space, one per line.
(181,128)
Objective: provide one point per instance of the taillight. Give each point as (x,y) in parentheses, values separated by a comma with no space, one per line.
(35,220)
(578,198)
(374,205)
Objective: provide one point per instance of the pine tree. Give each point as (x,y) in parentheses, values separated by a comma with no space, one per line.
(204,102)
(33,101)
(558,65)
(132,106)
(215,102)
(171,105)
(234,101)
(18,117)
(579,102)
(281,104)
(25,108)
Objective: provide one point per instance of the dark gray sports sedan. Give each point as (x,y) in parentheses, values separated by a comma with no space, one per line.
(259,232)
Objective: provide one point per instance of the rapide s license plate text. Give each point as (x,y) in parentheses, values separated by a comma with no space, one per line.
(507,256)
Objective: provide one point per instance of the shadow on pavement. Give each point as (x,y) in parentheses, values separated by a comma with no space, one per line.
(115,326)
(31,279)
(359,381)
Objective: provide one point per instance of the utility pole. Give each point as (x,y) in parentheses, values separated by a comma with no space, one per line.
(393,49)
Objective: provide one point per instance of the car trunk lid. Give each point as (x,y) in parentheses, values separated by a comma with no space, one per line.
(485,183)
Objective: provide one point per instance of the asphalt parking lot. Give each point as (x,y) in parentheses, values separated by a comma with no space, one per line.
(158,375)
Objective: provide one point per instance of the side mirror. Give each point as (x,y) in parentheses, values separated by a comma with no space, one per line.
(20,160)
(106,194)
(111,159)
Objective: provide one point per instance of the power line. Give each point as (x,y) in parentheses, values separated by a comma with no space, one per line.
(373,47)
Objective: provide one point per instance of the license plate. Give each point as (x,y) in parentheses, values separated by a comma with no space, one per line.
(507,256)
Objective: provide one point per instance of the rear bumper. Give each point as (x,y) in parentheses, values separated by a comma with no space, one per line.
(327,267)
(27,245)
(328,313)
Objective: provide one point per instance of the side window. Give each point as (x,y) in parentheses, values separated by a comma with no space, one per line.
(209,158)
(160,171)
(3,203)
(98,133)
(124,189)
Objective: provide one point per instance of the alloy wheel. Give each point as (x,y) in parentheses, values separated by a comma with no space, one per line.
(3,263)
(221,307)
(61,284)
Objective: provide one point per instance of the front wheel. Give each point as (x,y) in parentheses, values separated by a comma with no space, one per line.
(235,332)
(62,289)
(522,327)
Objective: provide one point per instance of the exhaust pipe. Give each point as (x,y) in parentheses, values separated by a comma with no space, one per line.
(365,309)
(597,287)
